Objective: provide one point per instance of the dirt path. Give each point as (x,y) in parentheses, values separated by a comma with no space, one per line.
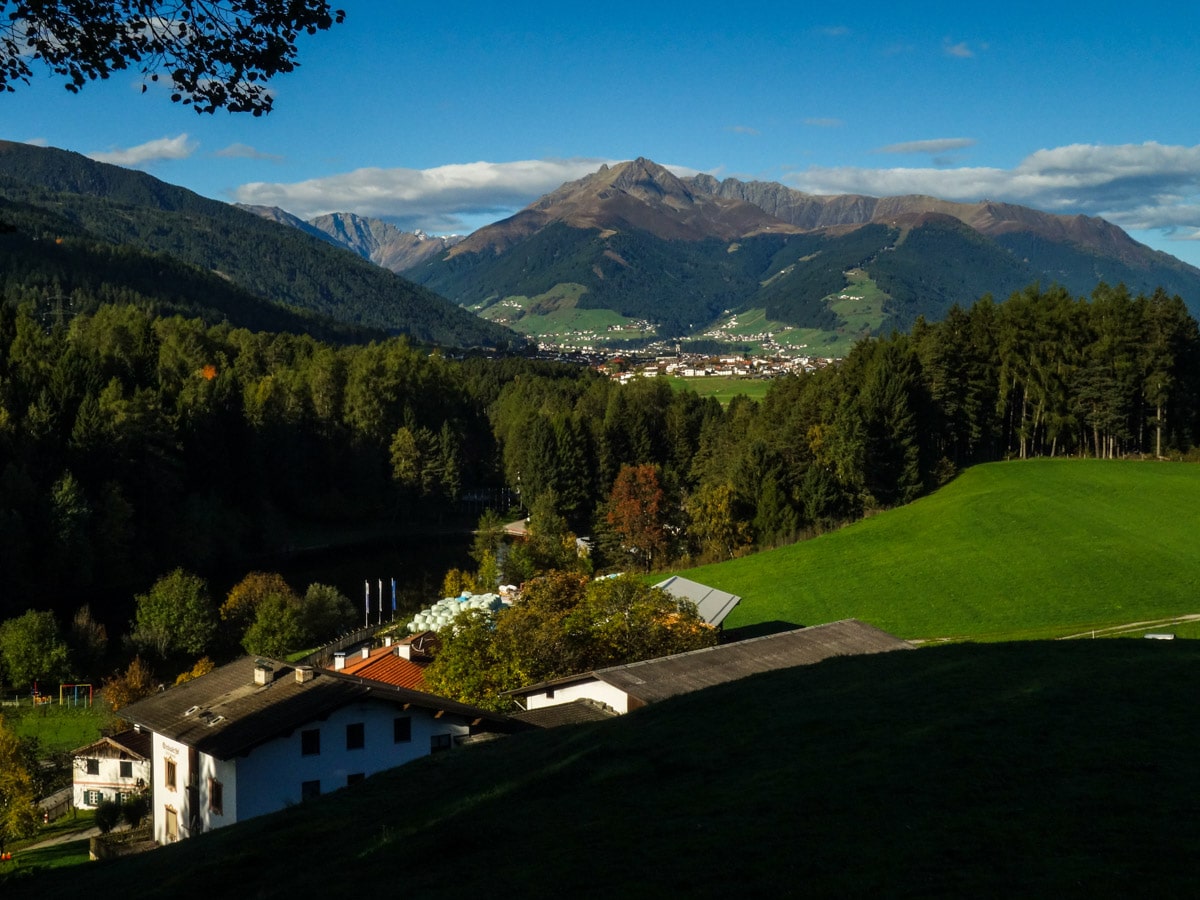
(1132,626)
(63,838)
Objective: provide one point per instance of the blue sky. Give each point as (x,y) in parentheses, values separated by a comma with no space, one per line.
(449,116)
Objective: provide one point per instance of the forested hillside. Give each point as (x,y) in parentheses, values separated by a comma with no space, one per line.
(277,264)
(131,443)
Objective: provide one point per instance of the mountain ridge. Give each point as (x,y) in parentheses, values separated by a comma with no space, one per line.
(285,266)
(745,245)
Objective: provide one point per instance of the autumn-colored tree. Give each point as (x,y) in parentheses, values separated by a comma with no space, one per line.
(713,524)
(18,810)
(203,666)
(242,602)
(136,682)
(637,513)
(456,581)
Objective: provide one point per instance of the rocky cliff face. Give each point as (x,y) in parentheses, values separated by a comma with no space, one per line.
(381,242)
(373,239)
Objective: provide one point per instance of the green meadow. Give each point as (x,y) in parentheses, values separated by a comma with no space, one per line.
(723,387)
(58,729)
(1033,549)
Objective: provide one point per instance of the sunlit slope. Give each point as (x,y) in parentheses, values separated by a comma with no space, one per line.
(1042,548)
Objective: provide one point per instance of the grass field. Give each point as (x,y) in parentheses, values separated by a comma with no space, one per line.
(1027,769)
(1036,549)
(722,387)
(58,728)
(556,315)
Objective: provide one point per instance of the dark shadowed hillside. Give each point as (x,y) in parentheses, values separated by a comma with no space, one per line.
(278,264)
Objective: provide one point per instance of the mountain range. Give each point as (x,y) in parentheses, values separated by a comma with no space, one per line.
(75,225)
(630,243)
(680,252)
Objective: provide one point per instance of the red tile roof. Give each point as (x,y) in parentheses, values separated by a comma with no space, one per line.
(384,665)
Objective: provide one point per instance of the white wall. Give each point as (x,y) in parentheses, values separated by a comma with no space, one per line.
(166,749)
(109,780)
(269,778)
(591,689)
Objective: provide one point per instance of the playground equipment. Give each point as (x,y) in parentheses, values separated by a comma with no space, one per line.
(74,695)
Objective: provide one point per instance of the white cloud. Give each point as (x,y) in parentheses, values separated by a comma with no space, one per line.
(960,50)
(825,123)
(1137,186)
(436,200)
(743,129)
(938,145)
(245,151)
(178,147)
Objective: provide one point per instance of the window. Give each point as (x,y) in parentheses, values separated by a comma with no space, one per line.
(92,798)
(310,790)
(216,797)
(126,769)
(355,736)
(550,694)
(402,730)
(172,824)
(310,742)
(440,742)
(93,766)
(169,778)
(355,778)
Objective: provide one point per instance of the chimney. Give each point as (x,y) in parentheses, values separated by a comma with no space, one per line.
(387,641)
(366,652)
(304,674)
(339,660)
(404,650)
(264,672)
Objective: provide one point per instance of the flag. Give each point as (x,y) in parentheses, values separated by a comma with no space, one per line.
(393,595)
(367,604)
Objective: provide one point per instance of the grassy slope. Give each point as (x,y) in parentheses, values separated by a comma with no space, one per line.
(58,728)
(1042,769)
(1009,550)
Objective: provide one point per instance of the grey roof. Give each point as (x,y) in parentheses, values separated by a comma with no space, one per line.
(657,679)
(226,714)
(573,713)
(712,604)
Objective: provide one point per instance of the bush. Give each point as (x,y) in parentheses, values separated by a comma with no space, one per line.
(108,814)
(134,809)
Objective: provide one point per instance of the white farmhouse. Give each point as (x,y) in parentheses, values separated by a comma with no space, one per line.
(110,769)
(255,736)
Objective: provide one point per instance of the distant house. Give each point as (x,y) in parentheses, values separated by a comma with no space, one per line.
(110,769)
(631,686)
(255,736)
(712,605)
